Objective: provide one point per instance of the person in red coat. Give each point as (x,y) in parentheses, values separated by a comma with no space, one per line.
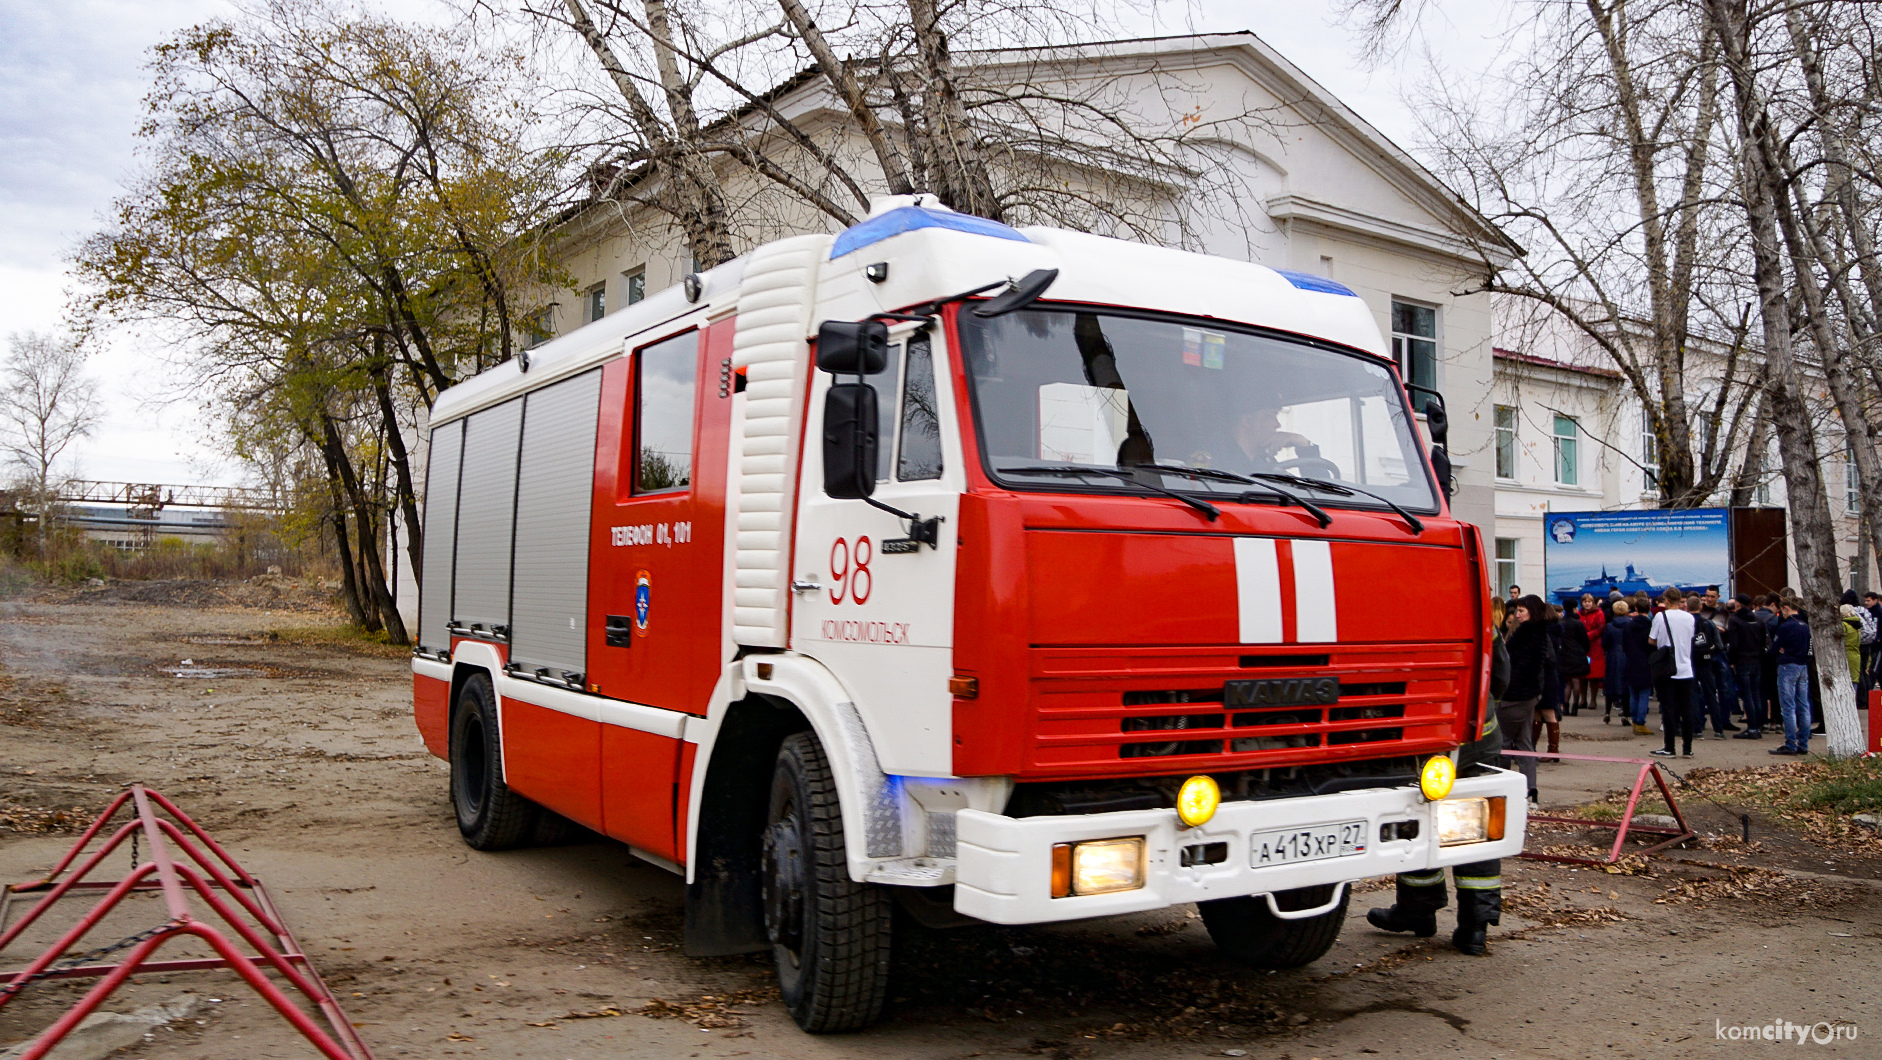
(1593,619)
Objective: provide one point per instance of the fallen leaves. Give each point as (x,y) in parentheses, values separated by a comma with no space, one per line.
(34,820)
(1765,886)
(711,1010)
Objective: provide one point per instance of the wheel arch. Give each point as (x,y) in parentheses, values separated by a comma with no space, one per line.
(737,746)
(471,659)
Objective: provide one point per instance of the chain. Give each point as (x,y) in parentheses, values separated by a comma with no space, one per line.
(1744,819)
(134,848)
(9,989)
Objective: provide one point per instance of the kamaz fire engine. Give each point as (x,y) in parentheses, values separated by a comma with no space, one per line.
(1010,575)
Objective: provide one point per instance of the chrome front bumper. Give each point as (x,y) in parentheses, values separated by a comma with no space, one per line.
(1004,868)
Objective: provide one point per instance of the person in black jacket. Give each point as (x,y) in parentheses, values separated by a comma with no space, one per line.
(1745,645)
(1532,679)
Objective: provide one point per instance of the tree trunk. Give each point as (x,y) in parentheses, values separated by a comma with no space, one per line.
(402,467)
(961,178)
(349,583)
(843,79)
(1812,530)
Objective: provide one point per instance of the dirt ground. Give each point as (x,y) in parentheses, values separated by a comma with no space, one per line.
(296,749)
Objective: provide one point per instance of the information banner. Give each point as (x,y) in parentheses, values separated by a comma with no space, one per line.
(1634,551)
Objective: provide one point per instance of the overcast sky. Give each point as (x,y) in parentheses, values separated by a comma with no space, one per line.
(71,85)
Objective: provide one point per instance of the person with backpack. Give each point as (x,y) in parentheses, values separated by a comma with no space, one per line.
(1708,656)
(1671,633)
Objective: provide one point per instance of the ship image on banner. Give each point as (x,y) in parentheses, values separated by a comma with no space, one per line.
(1652,550)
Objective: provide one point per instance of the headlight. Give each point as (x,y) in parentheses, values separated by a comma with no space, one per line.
(1469,821)
(1197,800)
(1099,866)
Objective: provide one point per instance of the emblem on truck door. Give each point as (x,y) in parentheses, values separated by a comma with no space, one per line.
(1281,692)
(643,601)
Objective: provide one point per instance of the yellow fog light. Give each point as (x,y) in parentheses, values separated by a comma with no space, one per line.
(1100,866)
(1197,799)
(1463,821)
(1437,777)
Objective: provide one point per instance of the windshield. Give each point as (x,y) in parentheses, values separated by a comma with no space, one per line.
(1057,390)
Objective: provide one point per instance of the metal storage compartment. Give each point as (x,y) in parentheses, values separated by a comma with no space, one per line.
(434,591)
(486,517)
(554,495)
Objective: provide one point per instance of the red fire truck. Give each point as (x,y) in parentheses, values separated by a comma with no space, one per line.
(1009,575)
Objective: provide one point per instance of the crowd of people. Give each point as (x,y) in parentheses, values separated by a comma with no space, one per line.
(1736,663)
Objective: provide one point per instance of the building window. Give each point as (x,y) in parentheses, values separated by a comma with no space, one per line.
(1505,565)
(1852,497)
(1505,442)
(597,302)
(1649,455)
(635,281)
(1567,464)
(539,328)
(1415,346)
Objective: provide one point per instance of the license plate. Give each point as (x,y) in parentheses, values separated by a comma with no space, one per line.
(1307,844)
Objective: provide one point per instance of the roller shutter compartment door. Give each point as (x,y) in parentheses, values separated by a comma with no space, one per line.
(440,527)
(554,492)
(486,516)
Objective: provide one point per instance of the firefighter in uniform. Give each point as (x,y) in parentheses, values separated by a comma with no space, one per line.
(1479,883)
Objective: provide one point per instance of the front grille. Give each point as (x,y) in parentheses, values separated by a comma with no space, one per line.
(1101,708)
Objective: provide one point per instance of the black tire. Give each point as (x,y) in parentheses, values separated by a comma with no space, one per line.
(1244,928)
(489,815)
(829,934)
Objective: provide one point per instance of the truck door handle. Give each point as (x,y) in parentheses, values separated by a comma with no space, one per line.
(806,585)
(619,632)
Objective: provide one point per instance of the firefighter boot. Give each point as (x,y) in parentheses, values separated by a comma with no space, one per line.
(1420,896)
(1479,904)
(1398,918)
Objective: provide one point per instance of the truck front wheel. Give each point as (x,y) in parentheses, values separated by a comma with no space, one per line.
(1245,929)
(829,934)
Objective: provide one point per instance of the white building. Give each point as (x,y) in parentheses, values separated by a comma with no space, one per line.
(1321,191)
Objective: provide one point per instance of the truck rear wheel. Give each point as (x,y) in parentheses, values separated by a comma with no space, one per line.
(489,815)
(829,934)
(1246,930)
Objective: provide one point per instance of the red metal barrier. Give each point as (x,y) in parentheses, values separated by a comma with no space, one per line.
(221,884)
(1648,767)
(1875,722)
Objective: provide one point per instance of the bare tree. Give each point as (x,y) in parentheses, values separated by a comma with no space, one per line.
(1013,128)
(46,403)
(1598,149)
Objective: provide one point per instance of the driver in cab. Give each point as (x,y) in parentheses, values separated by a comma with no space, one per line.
(1262,440)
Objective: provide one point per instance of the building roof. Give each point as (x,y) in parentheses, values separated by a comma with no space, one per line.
(1549,362)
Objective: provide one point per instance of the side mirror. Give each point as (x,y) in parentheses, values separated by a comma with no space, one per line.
(853,347)
(1437,421)
(849,437)
(1441,465)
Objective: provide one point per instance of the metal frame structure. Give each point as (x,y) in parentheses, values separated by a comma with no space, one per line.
(1647,767)
(212,876)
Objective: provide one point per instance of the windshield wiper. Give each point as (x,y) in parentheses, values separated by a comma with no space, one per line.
(1342,489)
(1204,507)
(1296,499)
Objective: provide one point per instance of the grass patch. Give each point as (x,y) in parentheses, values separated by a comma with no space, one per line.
(345,637)
(1845,786)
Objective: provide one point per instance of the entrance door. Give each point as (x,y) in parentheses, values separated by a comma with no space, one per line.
(883,617)
(659,516)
